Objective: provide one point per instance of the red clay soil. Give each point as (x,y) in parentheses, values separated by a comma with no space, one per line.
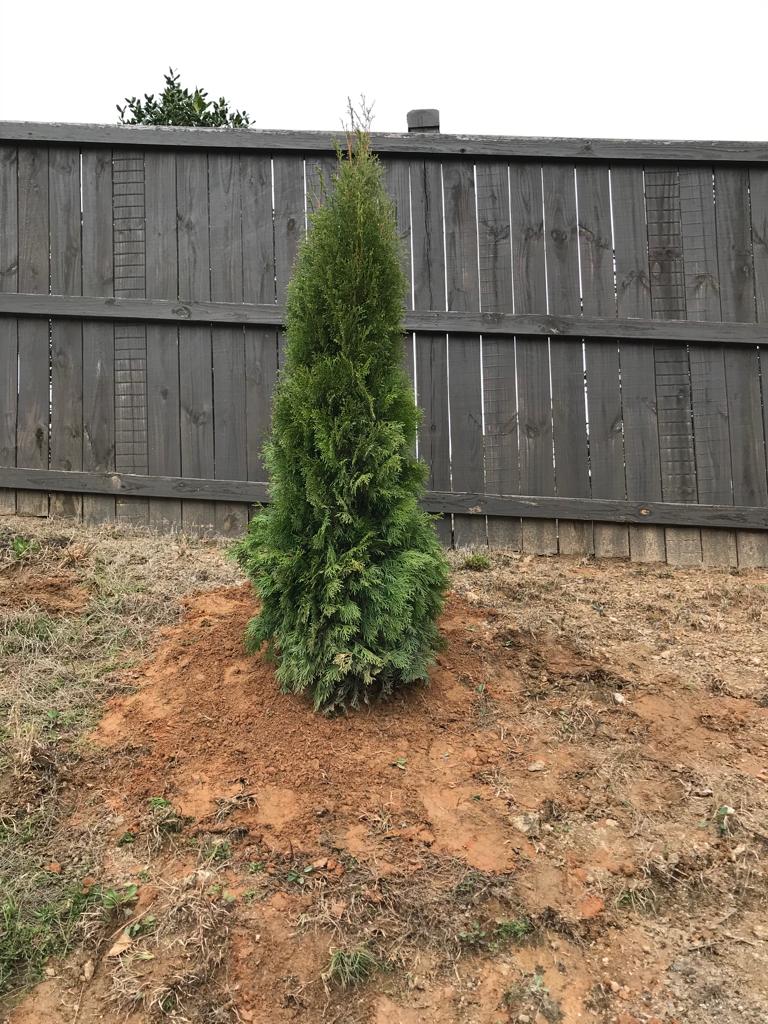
(583,780)
(56,594)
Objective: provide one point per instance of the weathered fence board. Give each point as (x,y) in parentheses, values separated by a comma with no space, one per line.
(587,323)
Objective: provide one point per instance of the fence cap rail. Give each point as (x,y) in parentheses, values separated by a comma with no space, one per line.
(404,144)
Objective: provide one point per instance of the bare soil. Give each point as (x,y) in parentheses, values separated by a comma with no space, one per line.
(568,823)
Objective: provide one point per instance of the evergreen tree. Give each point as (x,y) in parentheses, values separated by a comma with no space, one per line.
(178,106)
(348,567)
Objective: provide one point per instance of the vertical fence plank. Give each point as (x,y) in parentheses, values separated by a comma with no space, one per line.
(319,172)
(742,366)
(9,345)
(638,385)
(532,354)
(707,364)
(195,354)
(758,190)
(229,377)
(32,428)
(464,351)
(398,184)
(502,470)
(162,282)
(98,337)
(258,286)
(289,225)
(561,242)
(66,335)
(601,358)
(431,349)
(673,377)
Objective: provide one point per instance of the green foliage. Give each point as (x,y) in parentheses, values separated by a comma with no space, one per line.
(31,933)
(348,567)
(179,106)
(476,562)
(348,967)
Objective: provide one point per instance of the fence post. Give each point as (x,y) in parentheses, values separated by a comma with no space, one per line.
(424,120)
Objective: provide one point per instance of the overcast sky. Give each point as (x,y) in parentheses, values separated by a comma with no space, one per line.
(671,69)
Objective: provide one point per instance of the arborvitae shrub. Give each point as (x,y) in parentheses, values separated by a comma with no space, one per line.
(349,570)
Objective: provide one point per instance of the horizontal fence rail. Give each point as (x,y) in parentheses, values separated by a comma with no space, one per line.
(448,322)
(586,330)
(411,144)
(124,484)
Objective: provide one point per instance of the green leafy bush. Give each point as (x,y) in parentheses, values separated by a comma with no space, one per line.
(348,567)
(179,106)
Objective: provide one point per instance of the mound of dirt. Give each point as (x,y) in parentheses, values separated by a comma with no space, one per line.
(215,730)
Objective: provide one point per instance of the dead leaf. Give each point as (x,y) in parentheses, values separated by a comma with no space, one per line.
(121,944)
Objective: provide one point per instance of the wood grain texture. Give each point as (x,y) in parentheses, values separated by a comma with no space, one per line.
(207,489)
(638,387)
(98,337)
(195,354)
(742,367)
(415,143)
(450,322)
(566,363)
(9,265)
(162,282)
(465,394)
(32,433)
(707,365)
(229,373)
(532,358)
(502,469)
(429,293)
(601,359)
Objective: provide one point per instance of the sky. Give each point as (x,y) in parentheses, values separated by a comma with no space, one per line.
(674,69)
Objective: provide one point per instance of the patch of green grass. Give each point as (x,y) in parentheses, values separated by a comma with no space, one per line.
(216,851)
(349,967)
(31,931)
(255,867)
(23,547)
(493,938)
(476,562)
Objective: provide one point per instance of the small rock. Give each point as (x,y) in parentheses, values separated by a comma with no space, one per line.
(760,931)
(615,986)
(619,698)
(88,970)
(536,766)
(528,824)
(50,972)
(702,791)
(523,1018)
(605,961)
(611,822)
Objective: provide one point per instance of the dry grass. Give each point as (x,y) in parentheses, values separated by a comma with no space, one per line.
(57,667)
(163,969)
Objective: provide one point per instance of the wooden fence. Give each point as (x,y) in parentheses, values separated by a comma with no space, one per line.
(586,322)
